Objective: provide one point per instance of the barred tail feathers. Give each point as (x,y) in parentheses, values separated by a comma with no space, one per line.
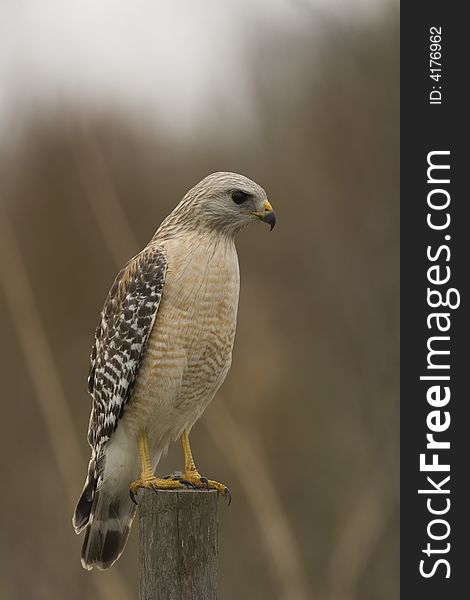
(108,528)
(105,510)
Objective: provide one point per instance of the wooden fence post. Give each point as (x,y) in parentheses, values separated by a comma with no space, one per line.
(178,544)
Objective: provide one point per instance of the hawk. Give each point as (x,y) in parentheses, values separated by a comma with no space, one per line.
(162,349)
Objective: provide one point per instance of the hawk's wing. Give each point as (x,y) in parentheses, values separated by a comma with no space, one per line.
(126,321)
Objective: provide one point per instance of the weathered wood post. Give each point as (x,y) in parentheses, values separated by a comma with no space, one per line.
(178,544)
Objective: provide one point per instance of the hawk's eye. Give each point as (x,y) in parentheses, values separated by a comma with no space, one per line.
(239,197)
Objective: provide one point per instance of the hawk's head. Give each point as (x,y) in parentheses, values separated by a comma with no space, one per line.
(224,202)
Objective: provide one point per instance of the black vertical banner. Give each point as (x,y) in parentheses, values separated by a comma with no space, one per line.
(435,302)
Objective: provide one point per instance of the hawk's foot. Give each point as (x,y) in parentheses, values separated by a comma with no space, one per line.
(191,474)
(156,483)
(193,479)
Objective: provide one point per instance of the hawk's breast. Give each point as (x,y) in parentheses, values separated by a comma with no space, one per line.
(189,350)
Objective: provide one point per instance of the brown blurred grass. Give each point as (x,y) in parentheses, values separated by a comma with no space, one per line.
(313,391)
(46,384)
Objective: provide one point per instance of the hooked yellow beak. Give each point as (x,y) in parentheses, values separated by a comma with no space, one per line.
(267,214)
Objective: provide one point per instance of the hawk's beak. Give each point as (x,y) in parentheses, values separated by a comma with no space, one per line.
(266,214)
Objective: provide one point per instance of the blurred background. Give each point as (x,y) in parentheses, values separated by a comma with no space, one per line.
(109,112)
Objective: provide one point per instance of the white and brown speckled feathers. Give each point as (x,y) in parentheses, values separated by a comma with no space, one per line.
(126,321)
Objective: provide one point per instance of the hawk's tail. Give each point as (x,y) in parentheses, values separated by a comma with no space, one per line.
(107,517)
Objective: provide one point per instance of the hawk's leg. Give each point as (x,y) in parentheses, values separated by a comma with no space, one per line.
(191,474)
(147,477)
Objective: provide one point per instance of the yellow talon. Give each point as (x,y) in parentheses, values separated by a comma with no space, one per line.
(192,476)
(156,483)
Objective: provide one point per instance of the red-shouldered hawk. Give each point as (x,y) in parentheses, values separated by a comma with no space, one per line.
(163,347)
